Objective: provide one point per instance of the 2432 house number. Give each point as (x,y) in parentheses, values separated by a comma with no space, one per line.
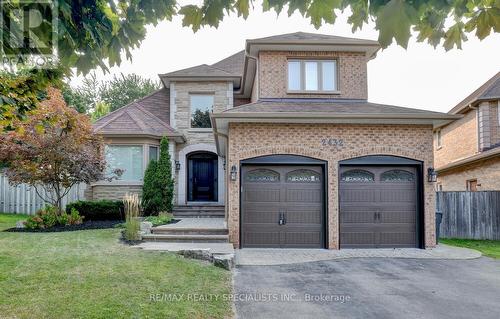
(335,142)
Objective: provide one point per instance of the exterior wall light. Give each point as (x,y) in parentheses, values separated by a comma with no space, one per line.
(233,173)
(177,165)
(431,175)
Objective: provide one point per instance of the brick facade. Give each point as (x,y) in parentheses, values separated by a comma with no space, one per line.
(247,140)
(113,192)
(487,174)
(352,74)
(458,140)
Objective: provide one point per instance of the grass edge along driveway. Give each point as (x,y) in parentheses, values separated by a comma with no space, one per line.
(90,274)
(490,248)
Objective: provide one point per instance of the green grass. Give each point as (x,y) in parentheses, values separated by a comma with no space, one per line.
(90,274)
(490,248)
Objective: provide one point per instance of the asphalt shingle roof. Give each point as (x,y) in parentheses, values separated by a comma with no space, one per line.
(488,91)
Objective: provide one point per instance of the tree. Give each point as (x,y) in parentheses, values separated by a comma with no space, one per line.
(53,149)
(158,187)
(99,33)
(123,89)
(97,98)
(151,190)
(165,176)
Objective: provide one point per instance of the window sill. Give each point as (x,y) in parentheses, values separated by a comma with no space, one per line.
(315,92)
(117,183)
(200,130)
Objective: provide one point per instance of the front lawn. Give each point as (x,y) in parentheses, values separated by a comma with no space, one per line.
(490,248)
(90,274)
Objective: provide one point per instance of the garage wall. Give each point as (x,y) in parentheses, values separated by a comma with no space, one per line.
(331,143)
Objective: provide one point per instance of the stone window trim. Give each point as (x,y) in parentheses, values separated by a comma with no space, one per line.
(303,60)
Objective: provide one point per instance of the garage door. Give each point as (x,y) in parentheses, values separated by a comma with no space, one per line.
(282,206)
(378,206)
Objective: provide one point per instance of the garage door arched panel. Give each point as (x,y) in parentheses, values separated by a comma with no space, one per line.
(378,205)
(282,206)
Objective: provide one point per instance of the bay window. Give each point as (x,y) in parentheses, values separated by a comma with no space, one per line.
(128,158)
(312,76)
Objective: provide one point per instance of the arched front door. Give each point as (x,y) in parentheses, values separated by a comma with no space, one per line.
(202,177)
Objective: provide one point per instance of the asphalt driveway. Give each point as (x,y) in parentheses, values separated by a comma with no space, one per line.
(370,288)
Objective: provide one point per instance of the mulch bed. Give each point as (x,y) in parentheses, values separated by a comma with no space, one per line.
(99,224)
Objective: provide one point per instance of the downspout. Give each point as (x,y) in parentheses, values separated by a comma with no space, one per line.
(256,74)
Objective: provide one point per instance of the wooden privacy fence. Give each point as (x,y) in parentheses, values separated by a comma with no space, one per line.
(469,215)
(22,199)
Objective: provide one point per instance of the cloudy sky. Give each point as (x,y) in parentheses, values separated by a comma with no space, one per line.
(421,76)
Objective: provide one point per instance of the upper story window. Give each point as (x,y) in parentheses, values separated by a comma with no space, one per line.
(129,158)
(201,106)
(439,140)
(312,75)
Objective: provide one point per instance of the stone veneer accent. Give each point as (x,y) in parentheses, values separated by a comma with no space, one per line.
(487,174)
(223,99)
(112,192)
(352,74)
(247,140)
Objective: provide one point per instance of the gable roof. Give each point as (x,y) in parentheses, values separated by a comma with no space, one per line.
(232,64)
(147,116)
(305,37)
(202,72)
(490,90)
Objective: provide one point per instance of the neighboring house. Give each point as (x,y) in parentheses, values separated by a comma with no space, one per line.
(467,151)
(283,136)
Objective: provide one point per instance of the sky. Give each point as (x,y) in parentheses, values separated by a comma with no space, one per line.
(420,76)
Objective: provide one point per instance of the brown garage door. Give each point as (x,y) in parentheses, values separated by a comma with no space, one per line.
(290,194)
(378,207)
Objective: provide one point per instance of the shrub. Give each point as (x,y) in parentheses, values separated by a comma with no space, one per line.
(74,218)
(165,176)
(132,223)
(98,210)
(161,219)
(34,222)
(151,191)
(158,189)
(48,217)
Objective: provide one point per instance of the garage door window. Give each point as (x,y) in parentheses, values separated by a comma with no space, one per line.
(397,176)
(303,176)
(262,175)
(357,176)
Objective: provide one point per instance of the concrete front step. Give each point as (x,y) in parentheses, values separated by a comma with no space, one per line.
(187,238)
(199,211)
(189,231)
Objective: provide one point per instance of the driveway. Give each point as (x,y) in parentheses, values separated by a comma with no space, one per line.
(370,288)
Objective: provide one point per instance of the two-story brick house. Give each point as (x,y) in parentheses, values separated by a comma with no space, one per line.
(283,136)
(467,151)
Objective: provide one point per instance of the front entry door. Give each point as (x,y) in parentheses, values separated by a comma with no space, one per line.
(202,176)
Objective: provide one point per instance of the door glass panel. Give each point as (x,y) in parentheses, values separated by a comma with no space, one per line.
(303,176)
(262,175)
(397,175)
(357,176)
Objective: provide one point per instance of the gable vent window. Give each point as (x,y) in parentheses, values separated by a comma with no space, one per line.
(312,76)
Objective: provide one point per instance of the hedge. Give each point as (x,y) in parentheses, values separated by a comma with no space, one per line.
(98,210)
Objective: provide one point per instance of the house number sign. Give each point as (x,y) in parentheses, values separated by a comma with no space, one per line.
(333,142)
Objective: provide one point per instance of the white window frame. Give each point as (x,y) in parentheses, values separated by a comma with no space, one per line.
(145,154)
(200,129)
(439,139)
(319,63)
